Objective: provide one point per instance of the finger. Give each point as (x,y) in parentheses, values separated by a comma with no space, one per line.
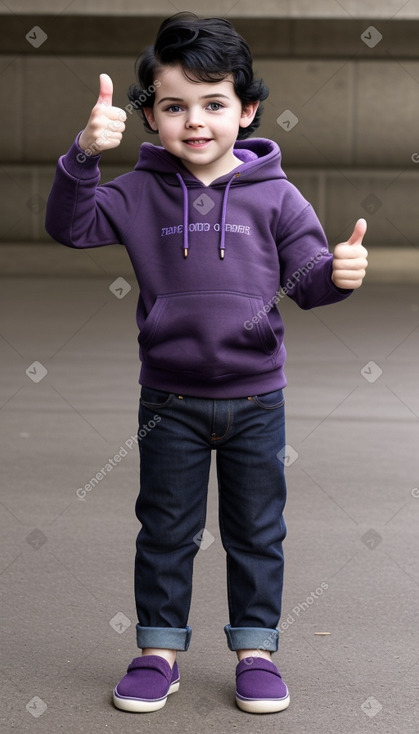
(350,274)
(358,233)
(344,252)
(357,263)
(108,139)
(349,283)
(116,125)
(348,280)
(114,113)
(105,90)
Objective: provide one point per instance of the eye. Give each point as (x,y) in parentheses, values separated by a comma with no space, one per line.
(173,108)
(215,106)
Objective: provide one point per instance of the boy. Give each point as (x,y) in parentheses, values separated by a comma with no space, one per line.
(213,229)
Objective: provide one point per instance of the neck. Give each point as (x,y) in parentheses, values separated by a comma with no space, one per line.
(208,174)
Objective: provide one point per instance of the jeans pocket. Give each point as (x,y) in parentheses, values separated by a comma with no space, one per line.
(155,399)
(270,400)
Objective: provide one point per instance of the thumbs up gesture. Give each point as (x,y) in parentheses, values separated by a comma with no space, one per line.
(106,123)
(350,259)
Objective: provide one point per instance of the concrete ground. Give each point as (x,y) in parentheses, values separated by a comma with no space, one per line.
(68,397)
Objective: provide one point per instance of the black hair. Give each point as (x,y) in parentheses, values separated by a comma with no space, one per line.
(210,49)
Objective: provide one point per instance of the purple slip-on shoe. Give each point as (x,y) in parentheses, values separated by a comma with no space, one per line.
(259,687)
(145,687)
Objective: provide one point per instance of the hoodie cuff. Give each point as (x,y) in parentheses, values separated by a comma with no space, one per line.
(78,163)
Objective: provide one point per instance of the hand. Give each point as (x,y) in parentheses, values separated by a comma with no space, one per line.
(106,123)
(350,259)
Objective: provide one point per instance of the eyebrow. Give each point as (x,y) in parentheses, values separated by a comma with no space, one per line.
(205,96)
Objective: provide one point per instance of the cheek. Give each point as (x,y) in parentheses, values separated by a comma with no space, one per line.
(166,134)
(167,128)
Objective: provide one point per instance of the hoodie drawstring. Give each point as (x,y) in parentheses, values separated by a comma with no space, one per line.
(185,216)
(223,219)
(222,246)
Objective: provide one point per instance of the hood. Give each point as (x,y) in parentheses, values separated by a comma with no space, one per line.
(261,161)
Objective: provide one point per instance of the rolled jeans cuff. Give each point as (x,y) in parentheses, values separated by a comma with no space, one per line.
(252,638)
(169,638)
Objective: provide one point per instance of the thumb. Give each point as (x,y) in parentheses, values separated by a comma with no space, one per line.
(358,233)
(105,90)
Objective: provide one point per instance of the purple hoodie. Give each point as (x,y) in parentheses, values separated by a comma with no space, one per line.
(210,261)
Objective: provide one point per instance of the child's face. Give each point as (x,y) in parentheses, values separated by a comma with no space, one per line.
(199,122)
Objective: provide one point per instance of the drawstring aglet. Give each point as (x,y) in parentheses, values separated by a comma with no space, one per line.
(222,253)
(185,252)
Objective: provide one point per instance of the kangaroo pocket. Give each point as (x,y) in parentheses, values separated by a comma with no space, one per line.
(209,333)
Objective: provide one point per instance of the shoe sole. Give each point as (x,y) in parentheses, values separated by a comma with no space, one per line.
(140,706)
(262,706)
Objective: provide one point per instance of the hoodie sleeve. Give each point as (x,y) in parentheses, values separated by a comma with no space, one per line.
(305,260)
(79,212)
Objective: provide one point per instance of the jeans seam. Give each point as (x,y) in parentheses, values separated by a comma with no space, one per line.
(267,407)
(223,539)
(156,406)
(229,426)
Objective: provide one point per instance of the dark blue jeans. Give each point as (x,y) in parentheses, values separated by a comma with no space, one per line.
(175,455)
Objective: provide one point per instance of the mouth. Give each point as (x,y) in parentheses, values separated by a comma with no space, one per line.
(197,142)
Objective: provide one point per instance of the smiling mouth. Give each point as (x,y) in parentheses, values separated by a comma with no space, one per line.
(197,142)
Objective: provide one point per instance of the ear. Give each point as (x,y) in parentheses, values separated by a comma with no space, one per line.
(148,111)
(248,113)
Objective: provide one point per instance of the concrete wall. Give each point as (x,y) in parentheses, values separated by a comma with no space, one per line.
(242,8)
(353,152)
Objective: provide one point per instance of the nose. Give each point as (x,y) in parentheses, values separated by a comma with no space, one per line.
(193,119)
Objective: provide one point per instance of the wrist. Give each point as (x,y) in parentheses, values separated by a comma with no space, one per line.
(86,150)
(82,142)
